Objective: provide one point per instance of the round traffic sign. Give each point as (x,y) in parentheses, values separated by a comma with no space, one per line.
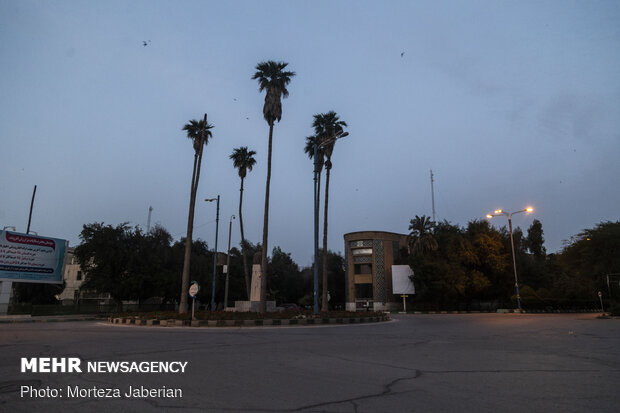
(193,289)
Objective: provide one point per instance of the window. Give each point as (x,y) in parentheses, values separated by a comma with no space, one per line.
(79,275)
(363,291)
(363,268)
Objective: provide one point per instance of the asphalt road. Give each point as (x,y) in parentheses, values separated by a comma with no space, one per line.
(416,363)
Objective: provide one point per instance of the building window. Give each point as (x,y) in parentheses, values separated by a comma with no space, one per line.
(363,292)
(79,275)
(362,251)
(363,268)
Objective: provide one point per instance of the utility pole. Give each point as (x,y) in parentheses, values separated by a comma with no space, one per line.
(217,224)
(31,205)
(433,194)
(228,263)
(148,222)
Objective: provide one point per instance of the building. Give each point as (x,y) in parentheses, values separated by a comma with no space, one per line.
(369,256)
(74,278)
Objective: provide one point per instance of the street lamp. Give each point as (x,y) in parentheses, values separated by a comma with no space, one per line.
(217,222)
(509,215)
(317,169)
(228,263)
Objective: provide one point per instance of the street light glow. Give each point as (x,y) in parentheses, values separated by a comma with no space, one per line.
(489,216)
(498,211)
(529,209)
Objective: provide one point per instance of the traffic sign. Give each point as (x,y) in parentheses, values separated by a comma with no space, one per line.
(193,289)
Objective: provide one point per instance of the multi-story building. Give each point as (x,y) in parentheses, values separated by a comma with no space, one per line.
(369,256)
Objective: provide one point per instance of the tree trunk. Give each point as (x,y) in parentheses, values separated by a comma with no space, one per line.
(188,242)
(263,265)
(325,304)
(183,304)
(243,251)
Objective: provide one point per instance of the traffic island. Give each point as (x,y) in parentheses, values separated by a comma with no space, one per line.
(236,319)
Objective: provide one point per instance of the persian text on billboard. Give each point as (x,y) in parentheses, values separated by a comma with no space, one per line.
(28,258)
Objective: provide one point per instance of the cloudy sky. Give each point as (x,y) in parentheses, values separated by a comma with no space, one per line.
(509,103)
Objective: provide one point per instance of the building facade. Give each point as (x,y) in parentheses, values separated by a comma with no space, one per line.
(369,256)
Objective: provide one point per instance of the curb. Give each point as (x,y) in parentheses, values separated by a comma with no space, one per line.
(49,320)
(502,311)
(245,323)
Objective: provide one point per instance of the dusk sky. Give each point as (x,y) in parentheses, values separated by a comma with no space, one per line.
(510,104)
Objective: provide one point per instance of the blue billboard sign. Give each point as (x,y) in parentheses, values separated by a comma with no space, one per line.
(29,258)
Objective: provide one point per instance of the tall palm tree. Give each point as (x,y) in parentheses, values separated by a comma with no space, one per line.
(327,126)
(243,160)
(273,78)
(199,132)
(309,150)
(421,239)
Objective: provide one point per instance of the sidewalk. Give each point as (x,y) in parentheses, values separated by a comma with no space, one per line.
(27,318)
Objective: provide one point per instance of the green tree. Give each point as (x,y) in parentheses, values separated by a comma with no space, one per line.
(309,150)
(273,78)
(199,132)
(591,255)
(106,257)
(421,238)
(283,277)
(243,160)
(327,126)
(534,241)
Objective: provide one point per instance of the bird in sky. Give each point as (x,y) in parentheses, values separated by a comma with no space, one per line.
(145,42)
(402,54)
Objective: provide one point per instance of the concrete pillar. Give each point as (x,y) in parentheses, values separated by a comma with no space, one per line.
(5,296)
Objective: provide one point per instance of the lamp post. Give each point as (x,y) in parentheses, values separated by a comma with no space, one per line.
(228,263)
(317,169)
(509,215)
(217,222)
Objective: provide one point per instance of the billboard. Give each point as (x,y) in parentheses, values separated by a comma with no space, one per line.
(29,258)
(401,283)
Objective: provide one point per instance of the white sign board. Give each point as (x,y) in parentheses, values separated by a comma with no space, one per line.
(401,283)
(29,258)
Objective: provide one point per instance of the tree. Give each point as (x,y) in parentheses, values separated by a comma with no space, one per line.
(309,150)
(327,126)
(273,78)
(421,238)
(535,240)
(105,257)
(243,160)
(199,132)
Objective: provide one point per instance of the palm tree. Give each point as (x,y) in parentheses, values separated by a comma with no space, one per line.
(272,78)
(199,132)
(327,126)
(309,150)
(243,160)
(421,239)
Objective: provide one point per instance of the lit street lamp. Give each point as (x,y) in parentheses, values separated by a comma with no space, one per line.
(228,264)
(509,215)
(217,222)
(317,169)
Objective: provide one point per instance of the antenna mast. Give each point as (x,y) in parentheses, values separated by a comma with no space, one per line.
(148,222)
(433,195)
